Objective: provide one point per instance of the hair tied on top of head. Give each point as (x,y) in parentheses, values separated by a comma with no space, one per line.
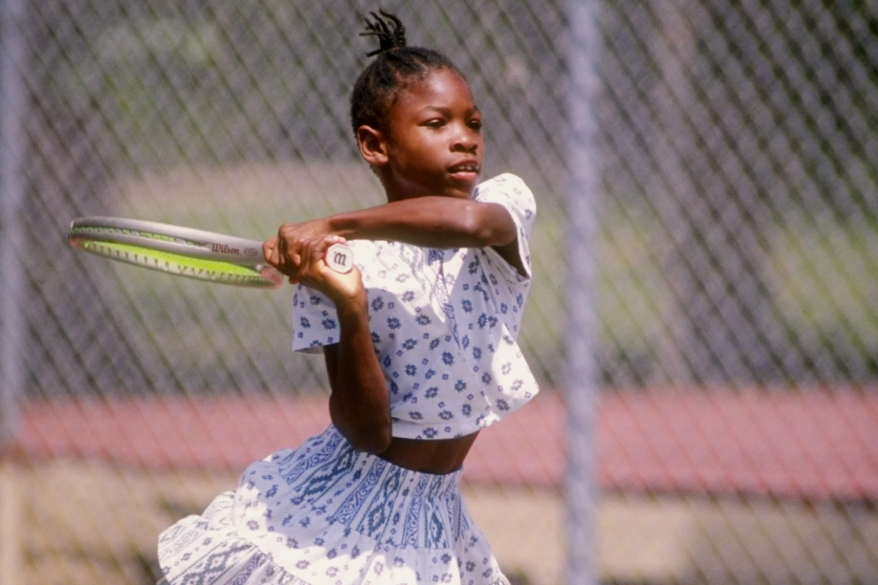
(389,30)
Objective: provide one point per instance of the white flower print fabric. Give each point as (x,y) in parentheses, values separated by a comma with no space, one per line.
(326,514)
(444,322)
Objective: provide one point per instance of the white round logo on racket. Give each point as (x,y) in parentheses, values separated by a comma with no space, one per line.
(340,258)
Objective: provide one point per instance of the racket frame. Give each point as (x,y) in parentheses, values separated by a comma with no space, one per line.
(112,238)
(168,238)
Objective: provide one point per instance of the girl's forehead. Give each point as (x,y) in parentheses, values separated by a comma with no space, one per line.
(439,86)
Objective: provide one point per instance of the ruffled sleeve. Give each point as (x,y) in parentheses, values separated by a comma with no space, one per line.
(512,193)
(315,322)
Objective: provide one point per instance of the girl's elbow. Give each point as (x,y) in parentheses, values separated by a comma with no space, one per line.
(489,225)
(479,234)
(368,434)
(374,440)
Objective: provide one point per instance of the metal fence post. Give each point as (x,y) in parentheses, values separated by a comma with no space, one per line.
(12,151)
(581,389)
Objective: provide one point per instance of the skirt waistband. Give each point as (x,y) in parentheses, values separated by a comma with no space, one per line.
(331,446)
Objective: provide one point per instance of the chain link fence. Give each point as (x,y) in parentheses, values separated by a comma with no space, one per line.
(735,215)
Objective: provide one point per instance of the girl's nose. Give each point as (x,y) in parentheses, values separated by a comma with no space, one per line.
(465,139)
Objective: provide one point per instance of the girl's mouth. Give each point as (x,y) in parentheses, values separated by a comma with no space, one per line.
(465,170)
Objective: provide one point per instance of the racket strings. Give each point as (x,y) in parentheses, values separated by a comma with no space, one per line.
(180,265)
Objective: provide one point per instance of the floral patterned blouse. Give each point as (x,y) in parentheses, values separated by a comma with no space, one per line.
(444,324)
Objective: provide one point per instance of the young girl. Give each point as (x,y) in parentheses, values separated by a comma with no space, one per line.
(420,348)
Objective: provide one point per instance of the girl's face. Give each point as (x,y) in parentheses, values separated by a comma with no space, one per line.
(434,142)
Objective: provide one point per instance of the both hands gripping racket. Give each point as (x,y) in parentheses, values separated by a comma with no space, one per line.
(188,252)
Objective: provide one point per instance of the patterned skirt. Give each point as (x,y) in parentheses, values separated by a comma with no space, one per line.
(326,514)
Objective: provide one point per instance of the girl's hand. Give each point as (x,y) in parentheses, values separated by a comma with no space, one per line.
(312,271)
(284,257)
(283,250)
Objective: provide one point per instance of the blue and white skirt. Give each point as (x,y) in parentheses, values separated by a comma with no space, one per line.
(326,514)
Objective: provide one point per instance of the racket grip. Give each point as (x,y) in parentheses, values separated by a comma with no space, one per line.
(340,258)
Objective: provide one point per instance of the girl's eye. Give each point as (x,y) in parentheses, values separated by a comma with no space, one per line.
(475,124)
(435,123)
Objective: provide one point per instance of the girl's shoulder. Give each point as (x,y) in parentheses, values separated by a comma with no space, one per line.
(507,184)
(513,193)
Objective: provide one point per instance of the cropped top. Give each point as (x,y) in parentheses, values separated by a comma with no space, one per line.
(444,324)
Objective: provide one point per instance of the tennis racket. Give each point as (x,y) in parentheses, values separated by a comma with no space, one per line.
(187,252)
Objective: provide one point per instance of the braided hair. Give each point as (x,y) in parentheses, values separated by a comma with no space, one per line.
(395,67)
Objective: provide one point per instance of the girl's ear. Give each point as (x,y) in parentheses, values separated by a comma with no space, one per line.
(372,146)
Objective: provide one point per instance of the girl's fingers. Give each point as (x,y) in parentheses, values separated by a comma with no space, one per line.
(270,251)
(339,287)
(283,254)
(300,259)
(294,253)
(287,247)
(314,248)
(313,257)
(311,253)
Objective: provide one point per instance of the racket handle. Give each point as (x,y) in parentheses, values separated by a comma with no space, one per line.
(340,258)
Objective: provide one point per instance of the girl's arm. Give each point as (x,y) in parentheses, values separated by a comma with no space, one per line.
(431,221)
(359,404)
